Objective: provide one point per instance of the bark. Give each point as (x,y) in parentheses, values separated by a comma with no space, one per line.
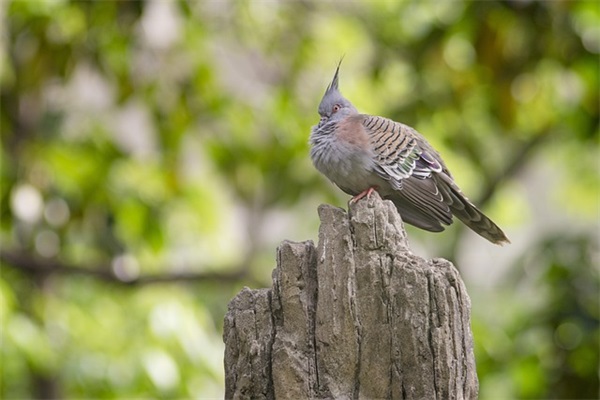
(359,316)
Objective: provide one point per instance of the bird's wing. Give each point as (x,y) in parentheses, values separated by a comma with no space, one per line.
(424,190)
(404,159)
(400,152)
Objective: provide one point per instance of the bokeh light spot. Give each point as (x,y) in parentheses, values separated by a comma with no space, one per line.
(26,203)
(568,335)
(47,243)
(57,212)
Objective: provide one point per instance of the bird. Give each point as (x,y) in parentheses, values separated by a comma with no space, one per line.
(362,153)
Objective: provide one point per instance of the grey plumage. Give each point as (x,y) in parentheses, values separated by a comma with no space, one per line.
(359,152)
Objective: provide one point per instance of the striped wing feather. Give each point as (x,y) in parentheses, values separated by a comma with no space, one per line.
(424,191)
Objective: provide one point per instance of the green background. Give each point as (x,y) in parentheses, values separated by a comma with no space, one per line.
(155,153)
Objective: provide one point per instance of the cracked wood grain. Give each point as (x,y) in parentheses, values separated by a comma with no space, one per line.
(356,317)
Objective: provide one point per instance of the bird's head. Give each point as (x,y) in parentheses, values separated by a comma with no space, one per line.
(334,106)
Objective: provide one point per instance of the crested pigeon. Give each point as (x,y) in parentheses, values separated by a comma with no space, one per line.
(361,153)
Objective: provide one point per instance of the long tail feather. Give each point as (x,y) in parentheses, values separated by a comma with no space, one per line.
(470,215)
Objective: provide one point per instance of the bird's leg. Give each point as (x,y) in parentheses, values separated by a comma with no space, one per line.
(366,192)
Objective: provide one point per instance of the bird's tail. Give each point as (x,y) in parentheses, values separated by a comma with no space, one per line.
(480,223)
(470,215)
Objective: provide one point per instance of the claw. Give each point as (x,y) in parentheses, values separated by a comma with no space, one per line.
(362,194)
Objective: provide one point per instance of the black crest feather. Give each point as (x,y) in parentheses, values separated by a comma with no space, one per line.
(334,83)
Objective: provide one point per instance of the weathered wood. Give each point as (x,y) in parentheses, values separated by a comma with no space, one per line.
(359,316)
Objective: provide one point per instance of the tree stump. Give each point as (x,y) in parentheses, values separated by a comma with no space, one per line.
(359,316)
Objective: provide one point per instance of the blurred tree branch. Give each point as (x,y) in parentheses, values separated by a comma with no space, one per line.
(30,264)
(517,162)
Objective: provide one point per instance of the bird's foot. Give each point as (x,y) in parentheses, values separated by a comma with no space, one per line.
(362,194)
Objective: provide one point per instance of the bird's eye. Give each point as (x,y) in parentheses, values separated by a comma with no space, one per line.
(336,108)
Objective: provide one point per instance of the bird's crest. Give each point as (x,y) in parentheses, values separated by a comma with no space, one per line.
(333,86)
(333,97)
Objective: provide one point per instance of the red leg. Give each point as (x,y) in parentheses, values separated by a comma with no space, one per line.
(362,194)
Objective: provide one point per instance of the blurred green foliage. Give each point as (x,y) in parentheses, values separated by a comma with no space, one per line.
(169,139)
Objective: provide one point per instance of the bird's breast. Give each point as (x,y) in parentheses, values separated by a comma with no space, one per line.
(346,163)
